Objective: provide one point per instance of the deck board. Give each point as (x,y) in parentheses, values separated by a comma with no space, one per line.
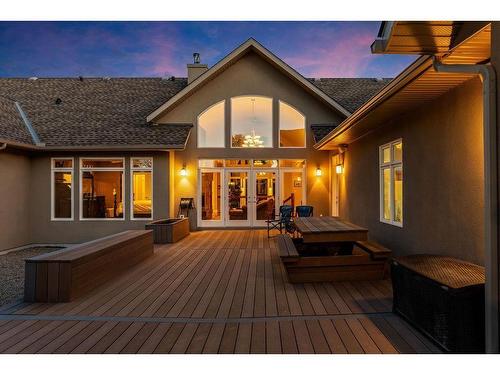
(219,291)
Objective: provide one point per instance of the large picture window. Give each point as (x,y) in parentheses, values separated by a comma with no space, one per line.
(141,170)
(251,122)
(391,183)
(102,190)
(211,126)
(292,126)
(62,188)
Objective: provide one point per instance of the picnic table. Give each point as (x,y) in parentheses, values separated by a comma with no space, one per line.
(331,230)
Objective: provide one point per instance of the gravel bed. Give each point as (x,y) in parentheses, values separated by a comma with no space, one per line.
(12,273)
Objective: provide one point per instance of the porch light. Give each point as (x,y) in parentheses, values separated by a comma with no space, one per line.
(184,171)
(319,173)
(339,169)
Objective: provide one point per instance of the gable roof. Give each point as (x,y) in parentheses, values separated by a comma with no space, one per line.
(250,45)
(90,113)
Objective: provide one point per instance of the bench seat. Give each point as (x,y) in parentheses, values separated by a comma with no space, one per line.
(286,248)
(66,274)
(376,251)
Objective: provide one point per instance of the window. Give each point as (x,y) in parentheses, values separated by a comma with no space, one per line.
(292,127)
(102,190)
(141,172)
(251,122)
(211,126)
(62,189)
(391,183)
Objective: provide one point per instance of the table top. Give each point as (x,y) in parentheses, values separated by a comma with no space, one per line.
(325,224)
(329,228)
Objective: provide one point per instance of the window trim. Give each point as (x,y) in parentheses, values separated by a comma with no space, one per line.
(107,169)
(132,170)
(223,101)
(391,165)
(279,126)
(53,169)
(231,120)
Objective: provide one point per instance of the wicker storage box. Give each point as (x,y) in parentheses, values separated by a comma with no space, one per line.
(442,297)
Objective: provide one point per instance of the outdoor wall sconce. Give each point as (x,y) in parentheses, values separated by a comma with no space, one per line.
(184,171)
(318,172)
(339,169)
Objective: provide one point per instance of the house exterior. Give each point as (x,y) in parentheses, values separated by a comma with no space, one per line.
(420,160)
(413,159)
(85,157)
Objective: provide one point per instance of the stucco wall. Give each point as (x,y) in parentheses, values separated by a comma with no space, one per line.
(443,178)
(15,182)
(46,231)
(251,75)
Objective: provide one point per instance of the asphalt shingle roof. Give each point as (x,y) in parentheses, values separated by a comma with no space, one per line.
(94,111)
(321,130)
(11,124)
(104,112)
(351,93)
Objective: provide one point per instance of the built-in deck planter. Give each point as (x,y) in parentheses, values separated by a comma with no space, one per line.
(322,262)
(169,230)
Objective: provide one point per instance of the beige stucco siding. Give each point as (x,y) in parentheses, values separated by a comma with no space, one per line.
(15,183)
(443,178)
(252,75)
(44,230)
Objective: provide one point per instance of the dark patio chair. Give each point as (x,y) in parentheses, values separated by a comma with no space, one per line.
(281,221)
(304,211)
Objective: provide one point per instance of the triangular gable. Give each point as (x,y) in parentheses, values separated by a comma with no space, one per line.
(250,45)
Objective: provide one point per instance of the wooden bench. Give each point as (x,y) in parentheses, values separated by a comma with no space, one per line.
(286,248)
(69,273)
(376,251)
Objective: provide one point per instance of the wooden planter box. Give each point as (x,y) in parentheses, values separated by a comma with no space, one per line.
(169,230)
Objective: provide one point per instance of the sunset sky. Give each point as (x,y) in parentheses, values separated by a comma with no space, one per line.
(61,49)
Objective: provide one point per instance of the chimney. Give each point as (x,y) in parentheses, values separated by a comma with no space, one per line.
(196,69)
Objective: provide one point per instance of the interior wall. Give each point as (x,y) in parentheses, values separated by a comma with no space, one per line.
(443,178)
(15,184)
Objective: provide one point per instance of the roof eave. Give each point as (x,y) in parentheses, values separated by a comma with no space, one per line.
(408,75)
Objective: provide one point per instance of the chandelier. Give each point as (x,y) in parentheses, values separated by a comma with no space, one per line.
(253,140)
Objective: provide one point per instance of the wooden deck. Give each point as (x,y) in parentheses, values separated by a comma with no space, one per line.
(214,292)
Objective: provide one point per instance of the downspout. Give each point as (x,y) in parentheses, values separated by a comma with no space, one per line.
(488,78)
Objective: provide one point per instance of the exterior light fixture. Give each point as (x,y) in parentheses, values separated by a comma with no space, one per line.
(339,168)
(319,173)
(184,171)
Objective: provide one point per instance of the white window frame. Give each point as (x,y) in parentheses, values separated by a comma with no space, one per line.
(53,169)
(279,125)
(231,120)
(141,169)
(105,169)
(389,165)
(223,125)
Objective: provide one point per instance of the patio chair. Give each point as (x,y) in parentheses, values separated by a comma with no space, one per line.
(281,221)
(304,211)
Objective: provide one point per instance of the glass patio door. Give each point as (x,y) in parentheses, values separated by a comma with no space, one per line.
(211,198)
(265,187)
(238,203)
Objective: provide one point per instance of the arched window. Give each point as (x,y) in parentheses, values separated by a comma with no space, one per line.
(292,127)
(251,121)
(211,126)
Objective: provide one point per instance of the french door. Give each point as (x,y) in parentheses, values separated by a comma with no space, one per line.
(250,196)
(246,197)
